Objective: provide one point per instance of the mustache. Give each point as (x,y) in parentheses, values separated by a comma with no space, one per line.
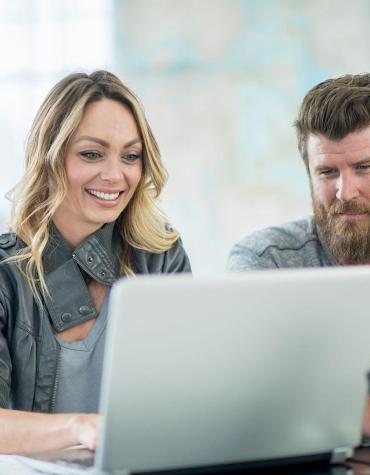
(348,207)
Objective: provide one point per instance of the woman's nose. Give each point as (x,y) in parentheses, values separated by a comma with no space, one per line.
(112,170)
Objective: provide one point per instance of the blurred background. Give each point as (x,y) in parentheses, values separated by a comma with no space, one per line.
(220,80)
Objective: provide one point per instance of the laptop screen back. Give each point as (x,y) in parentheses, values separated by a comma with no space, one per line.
(237,369)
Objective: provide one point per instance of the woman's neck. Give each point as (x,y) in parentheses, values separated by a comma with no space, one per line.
(73,234)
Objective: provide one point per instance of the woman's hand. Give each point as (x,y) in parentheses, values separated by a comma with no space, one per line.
(22,431)
(86,428)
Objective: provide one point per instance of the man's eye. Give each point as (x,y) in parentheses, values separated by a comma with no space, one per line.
(327,172)
(91,155)
(363,167)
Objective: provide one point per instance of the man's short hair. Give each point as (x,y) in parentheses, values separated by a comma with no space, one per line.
(334,108)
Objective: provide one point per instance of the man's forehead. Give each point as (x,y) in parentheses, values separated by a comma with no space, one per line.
(354,144)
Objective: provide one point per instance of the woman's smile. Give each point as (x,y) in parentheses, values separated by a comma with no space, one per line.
(105,196)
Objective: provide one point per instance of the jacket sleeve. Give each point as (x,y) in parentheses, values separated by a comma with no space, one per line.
(176,260)
(5,362)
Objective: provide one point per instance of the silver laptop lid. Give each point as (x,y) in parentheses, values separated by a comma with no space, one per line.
(242,368)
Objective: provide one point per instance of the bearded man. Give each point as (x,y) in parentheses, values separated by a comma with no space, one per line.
(333,130)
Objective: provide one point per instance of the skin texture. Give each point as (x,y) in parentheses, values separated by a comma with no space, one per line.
(31,432)
(104,155)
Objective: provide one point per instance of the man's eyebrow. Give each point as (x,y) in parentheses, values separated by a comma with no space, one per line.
(320,168)
(362,162)
(105,143)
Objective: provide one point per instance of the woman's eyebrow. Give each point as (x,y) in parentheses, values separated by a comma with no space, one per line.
(93,139)
(133,142)
(105,143)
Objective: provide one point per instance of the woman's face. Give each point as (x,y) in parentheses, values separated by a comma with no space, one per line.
(104,166)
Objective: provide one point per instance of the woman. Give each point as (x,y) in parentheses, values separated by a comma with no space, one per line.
(83,215)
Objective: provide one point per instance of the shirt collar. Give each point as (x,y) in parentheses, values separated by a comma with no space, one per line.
(329,257)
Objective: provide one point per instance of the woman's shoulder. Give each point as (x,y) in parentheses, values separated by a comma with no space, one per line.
(9,243)
(9,246)
(174,260)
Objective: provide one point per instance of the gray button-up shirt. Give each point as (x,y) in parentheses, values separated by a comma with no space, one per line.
(296,244)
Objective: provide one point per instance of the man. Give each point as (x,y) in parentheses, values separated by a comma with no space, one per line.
(333,130)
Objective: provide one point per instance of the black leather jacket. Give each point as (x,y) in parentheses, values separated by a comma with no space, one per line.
(28,348)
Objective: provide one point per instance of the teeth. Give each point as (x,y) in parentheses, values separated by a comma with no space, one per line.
(104,196)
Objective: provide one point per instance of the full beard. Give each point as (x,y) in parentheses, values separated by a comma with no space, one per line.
(349,241)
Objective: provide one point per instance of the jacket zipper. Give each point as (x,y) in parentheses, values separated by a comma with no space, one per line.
(56,381)
(57,366)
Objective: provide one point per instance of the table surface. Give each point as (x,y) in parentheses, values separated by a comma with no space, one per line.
(359,465)
(354,467)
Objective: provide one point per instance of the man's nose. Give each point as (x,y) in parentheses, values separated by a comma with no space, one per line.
(347,189)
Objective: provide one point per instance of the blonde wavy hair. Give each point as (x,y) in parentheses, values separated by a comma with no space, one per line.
(44,184)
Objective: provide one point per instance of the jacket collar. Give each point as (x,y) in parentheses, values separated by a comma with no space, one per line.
(69,302)
(96,255)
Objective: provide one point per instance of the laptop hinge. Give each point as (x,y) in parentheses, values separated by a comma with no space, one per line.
(341,454)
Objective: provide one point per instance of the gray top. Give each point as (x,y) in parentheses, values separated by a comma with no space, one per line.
(295,244)
(80,368)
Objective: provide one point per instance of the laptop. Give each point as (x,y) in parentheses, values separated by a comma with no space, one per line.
(256,369)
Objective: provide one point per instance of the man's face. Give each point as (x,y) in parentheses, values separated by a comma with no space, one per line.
(340,186)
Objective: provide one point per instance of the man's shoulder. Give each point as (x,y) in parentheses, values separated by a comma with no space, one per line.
(293,244)
(292,235)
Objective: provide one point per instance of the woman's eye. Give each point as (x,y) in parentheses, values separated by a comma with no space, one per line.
(91,155)
(131,157)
